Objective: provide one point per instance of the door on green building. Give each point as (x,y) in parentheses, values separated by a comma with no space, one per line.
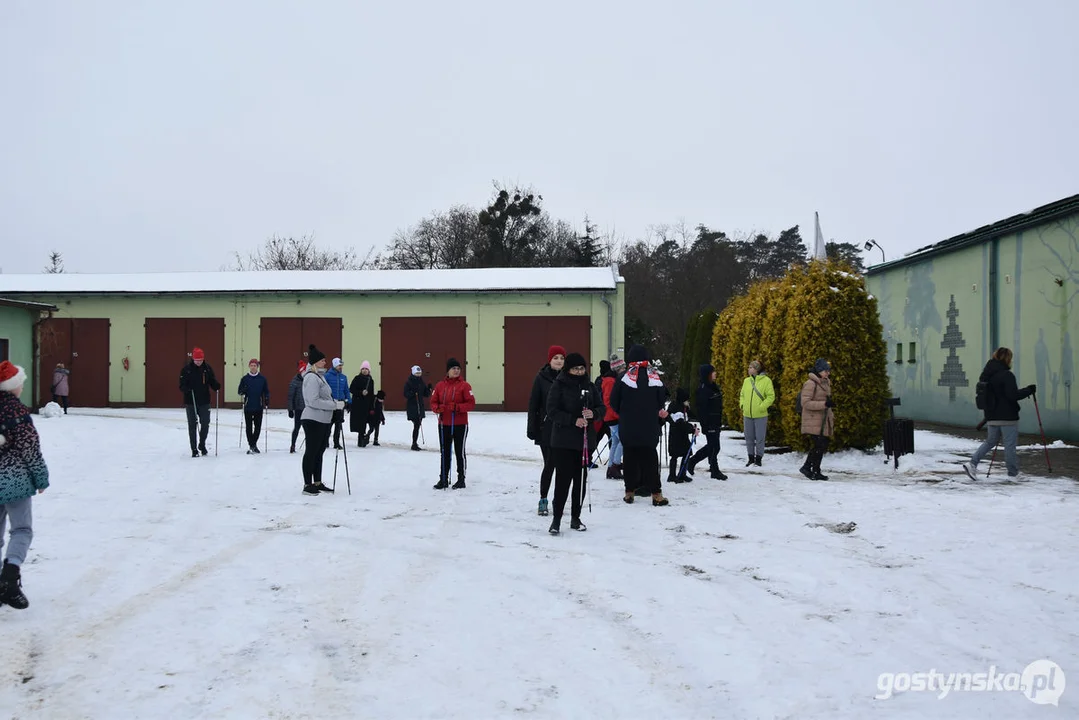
(82,345)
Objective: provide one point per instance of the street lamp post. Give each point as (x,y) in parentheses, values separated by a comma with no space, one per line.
(870,244)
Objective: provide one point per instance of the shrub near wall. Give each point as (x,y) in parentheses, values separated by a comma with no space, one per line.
(815,311)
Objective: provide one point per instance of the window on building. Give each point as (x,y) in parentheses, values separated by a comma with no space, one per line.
(910,353)
(899,352)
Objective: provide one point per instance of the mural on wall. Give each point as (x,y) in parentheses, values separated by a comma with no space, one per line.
(952,376)
(1060,240)
(920,314)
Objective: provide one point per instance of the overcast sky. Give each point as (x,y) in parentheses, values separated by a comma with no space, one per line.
(143,135)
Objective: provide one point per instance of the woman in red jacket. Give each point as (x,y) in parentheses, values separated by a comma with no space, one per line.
(451,401)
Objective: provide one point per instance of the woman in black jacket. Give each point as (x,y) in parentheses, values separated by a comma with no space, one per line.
(1002,396)
(415,392)
(539,426)
(710,413)
(363,402)
(572,403)
(638,398)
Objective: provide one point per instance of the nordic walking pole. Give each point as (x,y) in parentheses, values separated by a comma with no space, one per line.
(243,419)
(992,459)
(1044,446)
(344,449)
(195,410)
(266,424)
(585,459)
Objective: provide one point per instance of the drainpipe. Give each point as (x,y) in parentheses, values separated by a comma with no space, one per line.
(610,325)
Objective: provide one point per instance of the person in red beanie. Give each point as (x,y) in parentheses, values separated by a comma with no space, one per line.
(23,474)
(451,401)
(539,426)
(295,403)
(196,381)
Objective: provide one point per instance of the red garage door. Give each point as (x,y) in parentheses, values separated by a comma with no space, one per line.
(424,341)
(82,345)
(527,340)
(169,342)
(283,343)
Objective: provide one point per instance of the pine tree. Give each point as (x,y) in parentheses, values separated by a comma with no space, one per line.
(952,376)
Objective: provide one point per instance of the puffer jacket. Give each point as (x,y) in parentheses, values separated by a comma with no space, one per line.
(60,381)
(817,418)
(22,468)
(1004,393)
(317,399)
(295,394)
(756,405)
(567,398)
(538,429)
(709,401)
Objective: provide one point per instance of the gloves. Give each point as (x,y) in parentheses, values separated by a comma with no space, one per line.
(348,406)
(291,414)
(340,404)
(1032,389)
(531,435)
(829,403)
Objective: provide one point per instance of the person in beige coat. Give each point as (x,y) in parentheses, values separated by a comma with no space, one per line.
(818,419)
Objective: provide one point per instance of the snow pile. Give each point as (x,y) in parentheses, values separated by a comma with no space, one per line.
(51,410)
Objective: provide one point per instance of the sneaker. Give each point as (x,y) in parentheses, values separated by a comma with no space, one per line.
(415,447)
(310,490)
(375,443)
(203,450)
(194,453)
(322,488)
(717,474)
(971,470)
(292,450)
(255,449)
(554,529)
(807,471)
(576,524)
(442,484)
(818,475)
(542,507)
(459,485)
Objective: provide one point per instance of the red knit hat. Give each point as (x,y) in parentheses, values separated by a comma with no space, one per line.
(302,366)
(198,354)
(11,376)
(253,361)
(555,350)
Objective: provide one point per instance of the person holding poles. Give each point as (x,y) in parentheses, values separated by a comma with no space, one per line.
(451,401)
(415,392)
(196,380)
(573,402)
(255,391)
(1002,396)
(538,429)
(319,406)
(295,403)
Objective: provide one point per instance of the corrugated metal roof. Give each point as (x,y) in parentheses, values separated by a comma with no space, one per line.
(1013,224)
(358,281)
(26,305)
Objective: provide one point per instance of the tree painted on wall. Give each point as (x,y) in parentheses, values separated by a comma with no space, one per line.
(952,376)
(920,314)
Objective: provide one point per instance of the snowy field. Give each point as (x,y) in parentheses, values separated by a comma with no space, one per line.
(163,586)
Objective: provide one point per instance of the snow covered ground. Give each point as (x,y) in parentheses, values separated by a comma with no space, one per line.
(163,586)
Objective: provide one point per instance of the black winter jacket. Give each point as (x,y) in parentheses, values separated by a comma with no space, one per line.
(1004,393)
(415,391)
(709,402)
(566,399)
(198,380)
(362,405)
(681,430)
(295,395)
(638,411)
(539,426)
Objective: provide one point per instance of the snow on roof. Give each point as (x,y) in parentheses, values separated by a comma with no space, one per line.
(359,281)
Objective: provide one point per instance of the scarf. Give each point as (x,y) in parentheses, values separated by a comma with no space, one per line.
(630,378)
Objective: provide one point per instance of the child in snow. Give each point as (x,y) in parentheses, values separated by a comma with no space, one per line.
(679,442)
(377,416)
(22,474)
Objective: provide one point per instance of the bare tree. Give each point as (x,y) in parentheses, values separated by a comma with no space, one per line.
(444,240)
(56,263)
(301,254)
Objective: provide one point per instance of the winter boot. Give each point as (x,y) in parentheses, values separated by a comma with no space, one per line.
(555,528)
(415,446)
(255,450)
(628,497)
(806,470)
(542,507)
(292,449)
(576,524)
(11,587)
(202,449)
(460,484)
(310,490)
(751,461)
(717,474)
(322,488)
(757,460)
(674,478)
(194,452)
(442,484)
(659,501)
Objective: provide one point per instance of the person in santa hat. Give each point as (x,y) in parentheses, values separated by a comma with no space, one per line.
(196,381)
(23,474)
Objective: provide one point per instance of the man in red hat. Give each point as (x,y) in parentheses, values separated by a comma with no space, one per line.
(196,381)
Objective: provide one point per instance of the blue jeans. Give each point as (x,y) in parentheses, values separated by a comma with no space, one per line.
(616,447)
(1010,434)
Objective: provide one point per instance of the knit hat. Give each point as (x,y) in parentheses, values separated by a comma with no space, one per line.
(11,376)
(555,350)
(637,353)
(452,363)
(416,370)
(198,354)
(821,365)
(617,363)
(576,360)
(381,394)
(604,367)
(365,365)
(301,366)
(314,355)
(336,363)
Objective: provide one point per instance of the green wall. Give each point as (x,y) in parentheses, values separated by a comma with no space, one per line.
(17,327)
(1006,293)
(361,336)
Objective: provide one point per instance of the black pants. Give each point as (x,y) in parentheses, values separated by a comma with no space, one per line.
(202,415)
(60,399)
(548,470)
(253,421)
(373,428)
(640,469)
(297,424)
(452,437)
(316,435)
(816,453)
(338,428)
(673,467)
(568,471)
(710,451)
(415,430)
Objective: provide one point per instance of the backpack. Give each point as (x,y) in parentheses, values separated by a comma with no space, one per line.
(983,396)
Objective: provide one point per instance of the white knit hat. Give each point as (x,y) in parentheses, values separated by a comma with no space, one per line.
(416,369)
(11,376)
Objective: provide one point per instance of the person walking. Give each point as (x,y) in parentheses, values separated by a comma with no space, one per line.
(572,403)
(415,392)
(319,406)
(755,400)
(295,403)
(710,415)
(1002,396)
(451,401)
(61,385)
(196,381)
(539,426)
(255,391)
(818,419)
(23,474)
(638,398)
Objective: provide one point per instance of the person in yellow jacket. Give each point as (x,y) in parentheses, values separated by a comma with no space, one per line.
(756,397)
